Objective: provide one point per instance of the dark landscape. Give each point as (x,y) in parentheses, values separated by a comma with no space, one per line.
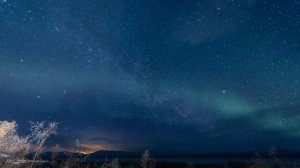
(135,159)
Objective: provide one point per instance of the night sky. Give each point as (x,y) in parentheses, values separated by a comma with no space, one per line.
(185,76)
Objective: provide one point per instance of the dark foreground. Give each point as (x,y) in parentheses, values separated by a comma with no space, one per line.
(75,164)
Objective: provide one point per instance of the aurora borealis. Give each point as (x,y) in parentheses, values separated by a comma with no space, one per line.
(184,76)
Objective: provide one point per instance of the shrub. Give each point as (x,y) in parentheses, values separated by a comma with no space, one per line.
(146,161)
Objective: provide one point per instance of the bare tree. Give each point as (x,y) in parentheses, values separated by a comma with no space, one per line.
(40,131)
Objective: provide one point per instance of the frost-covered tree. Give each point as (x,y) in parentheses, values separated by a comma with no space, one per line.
(13,145)
(40,131)
(10,141)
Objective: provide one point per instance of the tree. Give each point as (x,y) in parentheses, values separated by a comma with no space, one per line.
(40,131)
(10,142)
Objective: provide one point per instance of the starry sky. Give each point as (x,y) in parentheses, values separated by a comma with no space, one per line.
(184,76)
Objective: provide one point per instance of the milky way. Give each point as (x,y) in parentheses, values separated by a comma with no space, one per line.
(195,76)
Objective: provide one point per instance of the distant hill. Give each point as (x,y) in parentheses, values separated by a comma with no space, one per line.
(114,154)
(103,154)
(56,155)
